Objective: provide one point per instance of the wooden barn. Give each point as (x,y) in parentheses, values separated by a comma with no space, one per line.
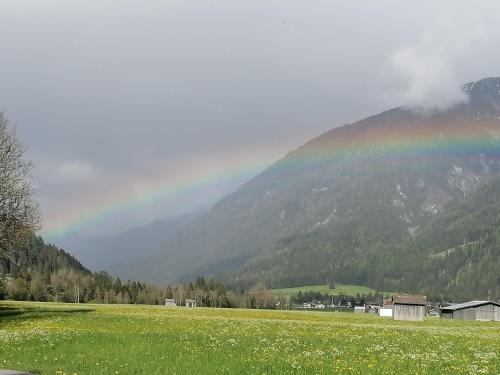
(408,307)
(387,303)
(473,310)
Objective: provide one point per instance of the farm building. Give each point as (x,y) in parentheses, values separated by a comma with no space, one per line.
(387,303)
(190,303)
(408,307)
(170,302)
(473,310)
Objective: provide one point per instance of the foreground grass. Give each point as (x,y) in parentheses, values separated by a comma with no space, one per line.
(109,339)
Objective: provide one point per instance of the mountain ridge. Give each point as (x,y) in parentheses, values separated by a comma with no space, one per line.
(403,165)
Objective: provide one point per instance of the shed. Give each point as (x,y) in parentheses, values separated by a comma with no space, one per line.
(170,302)
(473,310)
(408,307)
(190,303)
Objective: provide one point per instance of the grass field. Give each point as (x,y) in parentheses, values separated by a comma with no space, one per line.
(108,339)
(349,290)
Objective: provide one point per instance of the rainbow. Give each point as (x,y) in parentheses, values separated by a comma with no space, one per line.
(426,139)
(166,185)
(423,137)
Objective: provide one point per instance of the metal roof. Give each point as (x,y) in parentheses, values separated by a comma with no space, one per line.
(470,304)
(409,299)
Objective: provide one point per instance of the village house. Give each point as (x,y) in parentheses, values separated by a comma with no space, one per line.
(190,303)
(473,310)
(408,307)
(170,302)
(312,305)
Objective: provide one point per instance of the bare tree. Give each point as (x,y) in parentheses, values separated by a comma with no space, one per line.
(19,213)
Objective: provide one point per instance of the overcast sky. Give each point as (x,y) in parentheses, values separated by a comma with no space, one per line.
(106,95)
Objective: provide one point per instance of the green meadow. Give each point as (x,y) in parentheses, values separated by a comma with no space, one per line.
(49,338)
(348,290)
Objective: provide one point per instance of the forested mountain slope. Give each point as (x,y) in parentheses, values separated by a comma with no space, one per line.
(455,255)
(35,256)
(38,271)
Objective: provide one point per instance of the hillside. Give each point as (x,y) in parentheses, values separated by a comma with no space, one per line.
(454,255)
(35,256)
(37,271)
(318,214)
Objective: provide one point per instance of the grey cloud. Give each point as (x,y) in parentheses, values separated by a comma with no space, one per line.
(424,74)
